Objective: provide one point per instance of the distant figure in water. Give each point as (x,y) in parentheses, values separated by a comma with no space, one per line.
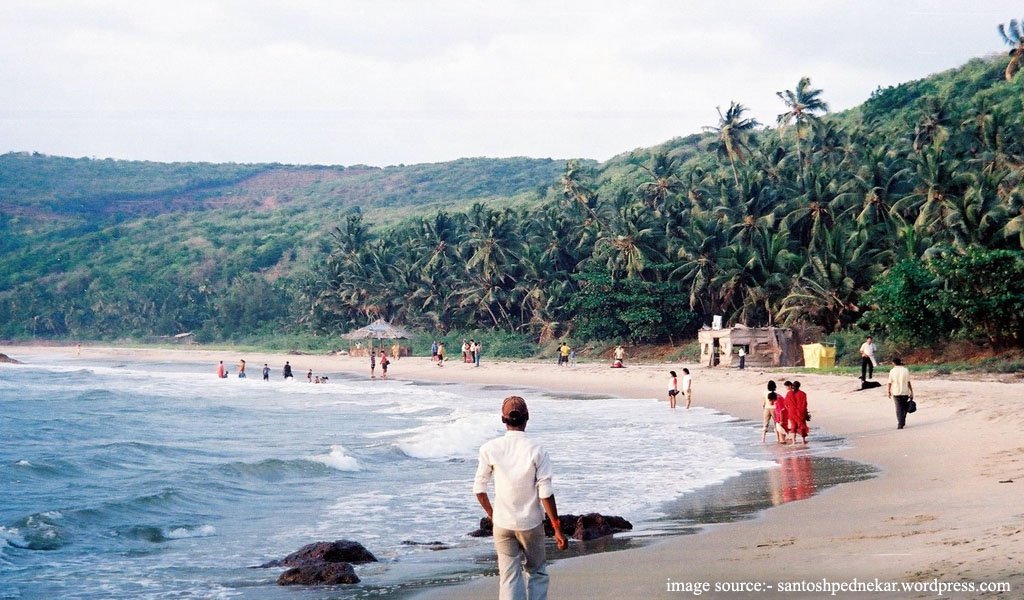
(309,376)
(287,370)
(221,372)
(266,372)
(241,369)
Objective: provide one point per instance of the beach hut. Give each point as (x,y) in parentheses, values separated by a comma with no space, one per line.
(764,346)
(378,330)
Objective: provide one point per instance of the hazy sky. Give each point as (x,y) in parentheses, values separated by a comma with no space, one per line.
(385,82)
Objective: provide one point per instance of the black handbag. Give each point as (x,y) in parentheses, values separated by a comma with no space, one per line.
(911,406)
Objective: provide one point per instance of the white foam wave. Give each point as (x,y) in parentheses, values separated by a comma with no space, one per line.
(458,437)
(179,533)
(23,463)
(338,458)
(10,536)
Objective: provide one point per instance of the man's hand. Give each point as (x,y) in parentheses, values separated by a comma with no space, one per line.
(560,540)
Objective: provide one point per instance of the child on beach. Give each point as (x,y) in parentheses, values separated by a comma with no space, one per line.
(768,406)
(673,389)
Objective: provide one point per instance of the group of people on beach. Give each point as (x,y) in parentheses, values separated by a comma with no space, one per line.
(787,415)
(286,372)
(675,388)
(384,363)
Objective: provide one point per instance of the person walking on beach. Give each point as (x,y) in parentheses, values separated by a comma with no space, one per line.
(522,474)
(743,357)
(241,369)
(477,348)
(768,409)
(687,387)
(796,413)
(384,362)
(440,354)
(287,371)
(900,390)
(266,372)
(433,351)
(673,389)
(373,365)
(620,354)
(867,359)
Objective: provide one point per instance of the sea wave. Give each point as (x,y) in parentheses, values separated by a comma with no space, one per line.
(155,534)
(275,469)
(338,458)
(457,437)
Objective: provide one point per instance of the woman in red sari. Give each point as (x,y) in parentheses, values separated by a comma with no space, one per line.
(781,422)
(796,412)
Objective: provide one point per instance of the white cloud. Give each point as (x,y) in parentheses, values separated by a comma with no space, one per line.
(406,81)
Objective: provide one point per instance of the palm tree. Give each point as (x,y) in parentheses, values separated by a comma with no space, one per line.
(1013,35)
(664,181)
(805,105)
(732,133)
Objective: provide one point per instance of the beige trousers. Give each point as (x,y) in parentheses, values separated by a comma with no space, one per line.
(519,551)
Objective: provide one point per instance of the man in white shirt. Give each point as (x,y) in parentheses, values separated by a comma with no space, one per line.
(867,359)
(521,471)
(900,390)
(687,387)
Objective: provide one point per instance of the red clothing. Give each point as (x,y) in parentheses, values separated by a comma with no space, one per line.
(780,412)
(796,412)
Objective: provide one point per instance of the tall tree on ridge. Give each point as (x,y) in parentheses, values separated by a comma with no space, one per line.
(732,133)
(1013,35)
(805,105)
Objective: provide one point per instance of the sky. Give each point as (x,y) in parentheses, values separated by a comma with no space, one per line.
(385,82)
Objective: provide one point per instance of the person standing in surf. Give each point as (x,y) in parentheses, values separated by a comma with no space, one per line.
(522,474)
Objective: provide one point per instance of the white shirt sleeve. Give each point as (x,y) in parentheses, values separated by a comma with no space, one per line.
(544,488)
(484,469)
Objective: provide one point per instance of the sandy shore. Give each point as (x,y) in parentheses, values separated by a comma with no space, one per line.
(947,507)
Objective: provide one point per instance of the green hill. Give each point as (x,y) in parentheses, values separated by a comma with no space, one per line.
(878,217)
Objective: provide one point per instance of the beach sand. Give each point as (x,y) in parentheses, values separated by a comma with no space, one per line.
(947,506)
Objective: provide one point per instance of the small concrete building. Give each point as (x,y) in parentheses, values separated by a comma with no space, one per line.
(764,347)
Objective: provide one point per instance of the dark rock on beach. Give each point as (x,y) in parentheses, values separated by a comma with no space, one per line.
(325,552)
(322,563)
(580,527)
(323,574)
(7,359)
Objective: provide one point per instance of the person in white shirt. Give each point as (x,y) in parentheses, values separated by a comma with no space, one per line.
(521,471)
(900,390)
(687,388)
(867,359)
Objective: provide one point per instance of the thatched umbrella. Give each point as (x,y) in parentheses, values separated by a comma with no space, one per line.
(378,330)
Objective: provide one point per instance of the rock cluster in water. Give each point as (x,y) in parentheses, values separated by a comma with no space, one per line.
(323,563)
(579,527)
(7,359)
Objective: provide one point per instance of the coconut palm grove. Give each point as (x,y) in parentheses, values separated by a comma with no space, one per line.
(903,216)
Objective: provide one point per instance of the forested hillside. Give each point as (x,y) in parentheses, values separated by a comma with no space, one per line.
(102,248)
(904,215)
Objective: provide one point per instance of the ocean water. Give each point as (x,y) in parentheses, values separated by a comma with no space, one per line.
(143,480)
